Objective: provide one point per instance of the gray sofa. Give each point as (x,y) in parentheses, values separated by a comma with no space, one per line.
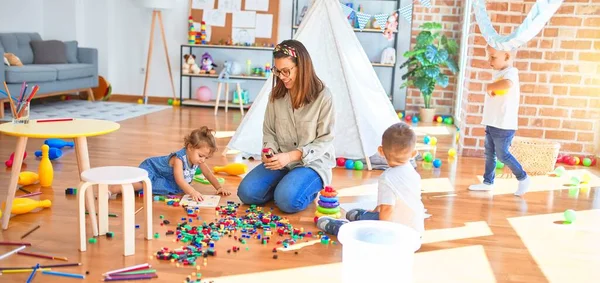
(79,75)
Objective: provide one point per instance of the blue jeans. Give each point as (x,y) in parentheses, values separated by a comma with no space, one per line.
(497,142)
(292,190)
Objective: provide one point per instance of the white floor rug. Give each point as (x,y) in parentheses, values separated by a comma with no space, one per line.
(102,110)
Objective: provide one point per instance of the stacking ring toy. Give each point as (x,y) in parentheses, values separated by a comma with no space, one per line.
(336,215)
(328,194)
(328,204)
(326,199)
(328,210)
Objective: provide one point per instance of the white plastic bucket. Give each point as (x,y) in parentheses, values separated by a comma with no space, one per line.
(377,251)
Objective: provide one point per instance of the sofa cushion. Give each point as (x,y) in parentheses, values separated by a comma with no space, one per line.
(18,44)
(49,52)
(71,51)
(12,59)
(30,73)
(73,71)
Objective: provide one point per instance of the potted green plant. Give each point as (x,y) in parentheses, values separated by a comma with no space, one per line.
(432,51)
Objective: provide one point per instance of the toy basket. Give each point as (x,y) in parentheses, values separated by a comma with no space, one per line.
(537,156)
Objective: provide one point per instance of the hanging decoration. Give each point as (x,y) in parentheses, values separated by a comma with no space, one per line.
(347,10)
(381,19)
(540,14)
(406,12)
(426,3)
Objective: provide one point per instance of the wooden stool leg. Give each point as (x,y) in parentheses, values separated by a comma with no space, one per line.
(239,90)
(148,208)
(128,219)
(91,207)
(102,209)
(81,196)
(226,96)
(219,86)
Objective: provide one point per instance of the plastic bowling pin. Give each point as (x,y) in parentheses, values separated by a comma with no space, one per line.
(232,169)
(58,143)
(28,178)
(10,160)
(25,205)
(45,170)
(54,153)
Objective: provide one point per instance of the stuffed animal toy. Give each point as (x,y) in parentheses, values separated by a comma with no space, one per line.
(390,26)
(189,65)
(206,64)
(226,71)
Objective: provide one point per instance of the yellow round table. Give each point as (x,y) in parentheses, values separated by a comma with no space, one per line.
(76,129)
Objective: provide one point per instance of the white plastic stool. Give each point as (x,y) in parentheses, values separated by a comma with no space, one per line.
(115,175)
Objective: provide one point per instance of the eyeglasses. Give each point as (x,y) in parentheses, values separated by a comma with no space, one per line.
(283,72)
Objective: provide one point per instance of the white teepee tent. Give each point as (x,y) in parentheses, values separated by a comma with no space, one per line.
(363,110)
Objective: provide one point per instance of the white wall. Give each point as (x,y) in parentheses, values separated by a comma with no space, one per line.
(21,16)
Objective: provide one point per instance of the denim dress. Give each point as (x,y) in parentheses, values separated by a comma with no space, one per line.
(161,173)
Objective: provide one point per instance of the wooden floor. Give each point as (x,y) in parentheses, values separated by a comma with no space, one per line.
(471,237)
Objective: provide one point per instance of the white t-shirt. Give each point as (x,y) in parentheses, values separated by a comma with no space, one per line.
(502,111)
(400,186)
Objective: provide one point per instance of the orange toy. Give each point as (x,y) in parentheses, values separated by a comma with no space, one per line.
(45,170)
(25,205)
(27,178)
(328,192)
(232,169)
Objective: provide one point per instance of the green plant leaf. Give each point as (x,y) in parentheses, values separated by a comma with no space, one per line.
(435,55)
(431,26)
(452,46)
(421,58)
(432,71)
(423,39)
(425,84)
(442,80)
(451,65)
(407,62)
(413,53)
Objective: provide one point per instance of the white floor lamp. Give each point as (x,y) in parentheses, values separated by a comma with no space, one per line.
(157,6)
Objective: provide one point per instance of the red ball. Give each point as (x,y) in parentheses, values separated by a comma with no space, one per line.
(560,158)
(341,161)
(435,118)
(316,219)
(593,161)
(570,160)
(408,118)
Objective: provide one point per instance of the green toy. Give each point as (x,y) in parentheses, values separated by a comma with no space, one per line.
(427,156)
(587,162)
(499,165)
(570,216)
(358,165)
(202,180)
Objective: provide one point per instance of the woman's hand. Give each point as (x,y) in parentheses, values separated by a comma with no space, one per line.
(223,192)
(278,161)
(196,196)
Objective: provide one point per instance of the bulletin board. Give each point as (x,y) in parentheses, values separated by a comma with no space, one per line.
(225,33)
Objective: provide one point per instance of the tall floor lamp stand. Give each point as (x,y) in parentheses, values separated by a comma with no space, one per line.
(157,14)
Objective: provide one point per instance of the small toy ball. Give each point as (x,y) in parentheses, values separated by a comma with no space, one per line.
(340,161)
(570,216)
(400,115)
(203,94)
(170,101)
(435,118)
(577,160)
(415,119)
(349,164)
(594,161)
(427,156)
(140,101)
(570,160)
(586,162)
(358,165)
(433,141)
(499,165)
(560,158)
(437,163)
(586,178)
(426,140)
(501,91)
(177,102)
(449,120)
(559,171)
(439,119)
(452,152)
(575,181)
(408,118)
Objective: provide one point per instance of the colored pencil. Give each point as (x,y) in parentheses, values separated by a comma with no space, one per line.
(143,271)
(130,268)
(131,277)
(23,270)
(24,190)
(42,266)
(136,212)
(22,95)
(30,231)
(43,256)
(29,195)
(22,91)
(12,105)
(55,120)
(33,92)
(12,252)
(37,266)
(14,244)
(64,274)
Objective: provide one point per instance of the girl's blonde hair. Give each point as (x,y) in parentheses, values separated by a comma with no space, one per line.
(201,137)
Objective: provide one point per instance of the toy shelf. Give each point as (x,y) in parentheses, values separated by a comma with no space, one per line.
(382,65)
(193,102)
(215,76)
(228,47)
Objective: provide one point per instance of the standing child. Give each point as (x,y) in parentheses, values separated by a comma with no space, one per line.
(500,116)
(399,187)
(173,174)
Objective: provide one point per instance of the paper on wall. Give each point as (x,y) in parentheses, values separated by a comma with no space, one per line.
(203,4)
(264,25)
(257,5)
(244,20)
(230,6)
(243,35)
(214,18)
